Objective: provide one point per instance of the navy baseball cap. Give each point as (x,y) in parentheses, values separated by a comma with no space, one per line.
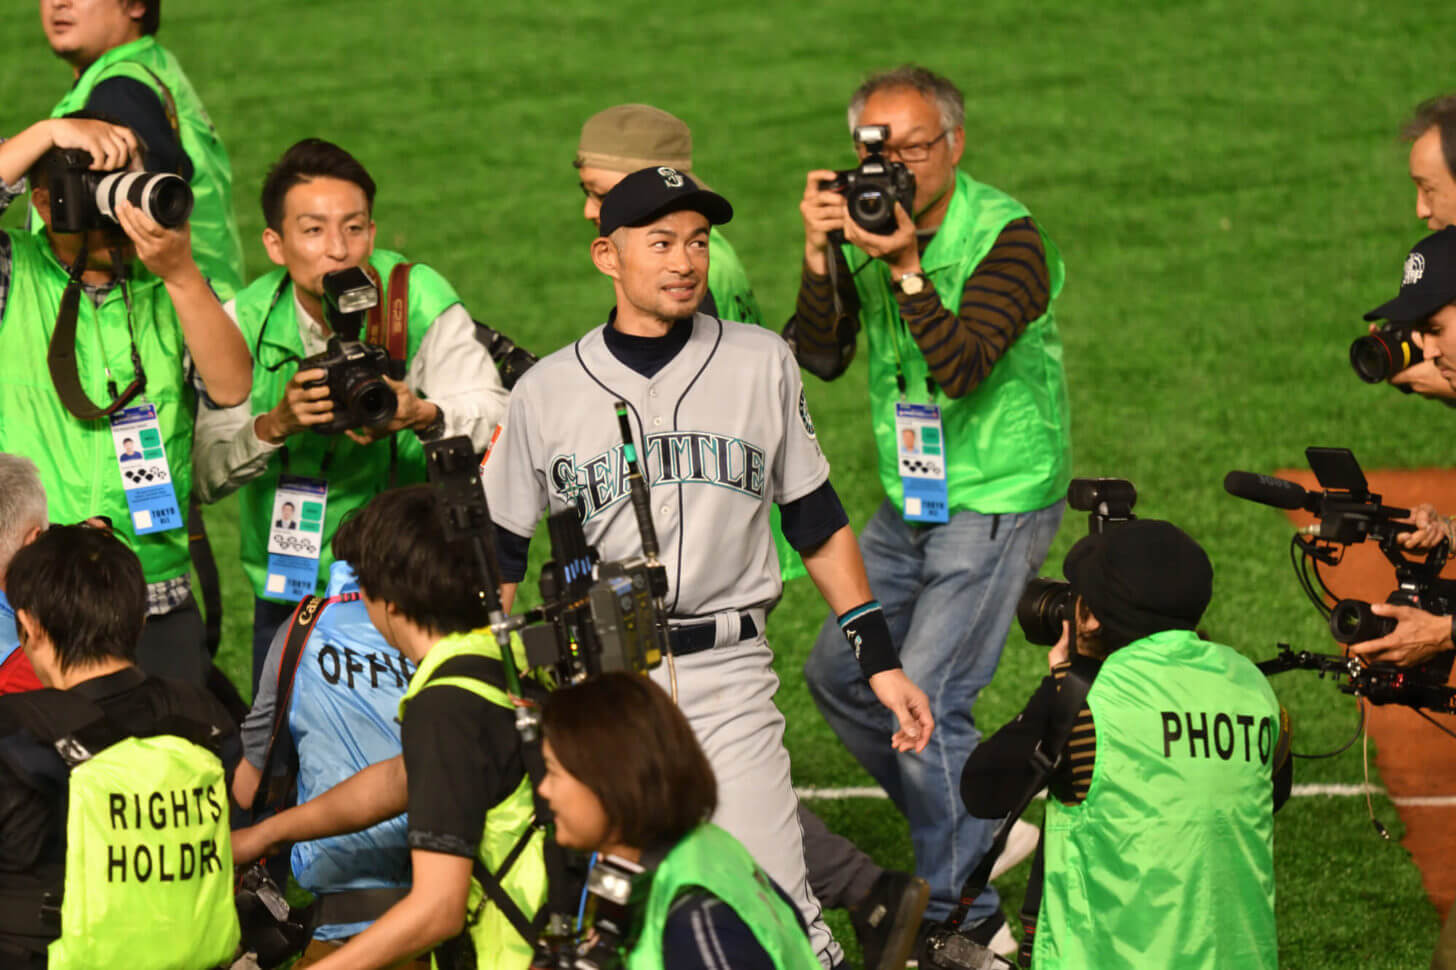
(1428,280)
(650,193)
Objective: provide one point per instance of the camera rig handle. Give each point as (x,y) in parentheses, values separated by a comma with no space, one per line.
(1421,687)
(641,503)
(452,468)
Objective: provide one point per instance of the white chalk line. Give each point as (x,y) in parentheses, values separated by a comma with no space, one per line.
(1299,791)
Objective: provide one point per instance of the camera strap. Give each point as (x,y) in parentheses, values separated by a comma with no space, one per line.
(1071,698)
(61,353)
(388,326)
(300,626)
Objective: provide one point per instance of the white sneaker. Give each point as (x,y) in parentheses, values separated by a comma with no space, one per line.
(1020,843)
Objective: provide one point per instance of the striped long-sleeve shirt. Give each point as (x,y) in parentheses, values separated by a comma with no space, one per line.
(1008,290)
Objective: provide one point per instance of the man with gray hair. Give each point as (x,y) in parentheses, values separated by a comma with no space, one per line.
(970,415)
(1431,131)
(22,518)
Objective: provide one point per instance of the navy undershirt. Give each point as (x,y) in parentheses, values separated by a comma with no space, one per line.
(807,522)
(129,102)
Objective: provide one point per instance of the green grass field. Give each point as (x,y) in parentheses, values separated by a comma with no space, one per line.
(1223,179)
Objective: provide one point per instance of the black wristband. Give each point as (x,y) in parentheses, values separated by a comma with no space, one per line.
(868,634)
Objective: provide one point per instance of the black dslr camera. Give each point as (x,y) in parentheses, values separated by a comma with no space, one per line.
(1349,513)
(354,371)
(82,199)
(873,189)
(1389,350)
(1046,603)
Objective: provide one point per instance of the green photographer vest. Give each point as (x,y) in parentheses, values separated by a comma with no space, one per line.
(710,859)
(215,243)
(1169,860)
(1008,445)
(77,459)
(728,282)
(497,944)
(356,473)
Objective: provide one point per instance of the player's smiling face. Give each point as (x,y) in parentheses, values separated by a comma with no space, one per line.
(661,270)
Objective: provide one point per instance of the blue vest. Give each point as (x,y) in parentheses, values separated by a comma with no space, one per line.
(346,694)
(9,634)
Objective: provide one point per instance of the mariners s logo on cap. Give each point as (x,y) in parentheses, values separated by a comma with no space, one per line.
(1415,268)
(671,177)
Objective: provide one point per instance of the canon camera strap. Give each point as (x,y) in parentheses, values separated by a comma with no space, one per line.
(1071,698)
(300,627)
(388,322)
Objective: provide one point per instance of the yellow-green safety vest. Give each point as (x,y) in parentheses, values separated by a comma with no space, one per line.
(497,944)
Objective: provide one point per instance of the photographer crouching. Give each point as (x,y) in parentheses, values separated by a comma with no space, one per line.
(1171,759)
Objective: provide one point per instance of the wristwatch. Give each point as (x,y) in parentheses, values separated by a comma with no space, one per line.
(435,428)
(912,284)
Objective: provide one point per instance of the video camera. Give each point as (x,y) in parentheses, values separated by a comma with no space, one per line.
(595,616)
(354,371)
(1046,604)
(1350,513)
(1389,350)
(83,199)
(873,189)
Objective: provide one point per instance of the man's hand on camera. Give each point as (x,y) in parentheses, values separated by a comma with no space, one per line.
(1431,528)
(166,252)
(1062,652)
(409,412)
(1418,636)
(1425,378)
(823,212)
(300,408)
(898,250)
(110,146)
(909,705)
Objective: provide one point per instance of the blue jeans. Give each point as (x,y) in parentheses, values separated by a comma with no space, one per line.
(949,593)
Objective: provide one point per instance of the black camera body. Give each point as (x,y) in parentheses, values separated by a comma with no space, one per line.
(83,199)
(272,931)
(1045,604)
(947,949)
(872,190)
(354,370)
(1387,351)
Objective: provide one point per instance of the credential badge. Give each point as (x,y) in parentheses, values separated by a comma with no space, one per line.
(671,177)
(1415,268)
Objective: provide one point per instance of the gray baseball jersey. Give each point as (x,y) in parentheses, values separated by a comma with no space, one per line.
(723,431)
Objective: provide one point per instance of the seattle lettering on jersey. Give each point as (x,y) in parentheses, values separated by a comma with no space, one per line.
(1224,735)
(673,458)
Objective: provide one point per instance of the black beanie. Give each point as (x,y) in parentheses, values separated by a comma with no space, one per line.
(1141,577)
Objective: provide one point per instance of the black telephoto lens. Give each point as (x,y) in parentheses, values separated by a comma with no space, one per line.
(1044,606)
(1352,621)
(1377,356)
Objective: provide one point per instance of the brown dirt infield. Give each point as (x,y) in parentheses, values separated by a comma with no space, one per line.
(1415,759)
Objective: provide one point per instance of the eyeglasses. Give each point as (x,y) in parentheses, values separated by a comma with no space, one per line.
(915,152)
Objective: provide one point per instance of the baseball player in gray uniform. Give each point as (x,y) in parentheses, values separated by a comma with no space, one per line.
(723,429)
